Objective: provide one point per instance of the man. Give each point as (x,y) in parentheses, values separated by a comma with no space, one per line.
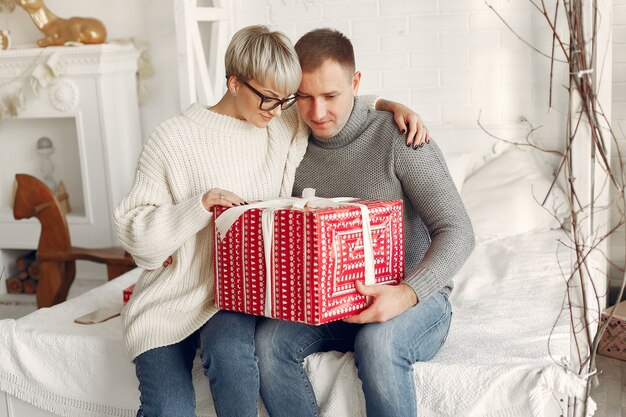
(405,323)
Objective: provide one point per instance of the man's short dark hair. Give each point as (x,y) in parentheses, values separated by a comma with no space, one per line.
(319,45)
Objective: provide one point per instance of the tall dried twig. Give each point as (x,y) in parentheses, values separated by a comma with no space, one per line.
(584,115)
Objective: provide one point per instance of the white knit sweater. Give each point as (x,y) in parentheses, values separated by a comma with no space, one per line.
(163,215)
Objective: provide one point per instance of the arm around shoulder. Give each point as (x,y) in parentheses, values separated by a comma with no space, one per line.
(409,123)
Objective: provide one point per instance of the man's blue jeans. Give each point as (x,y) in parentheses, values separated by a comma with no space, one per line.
(384,355)
(226,345)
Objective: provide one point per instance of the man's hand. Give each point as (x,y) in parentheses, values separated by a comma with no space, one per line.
(417,133)
(168,261)
(388,301)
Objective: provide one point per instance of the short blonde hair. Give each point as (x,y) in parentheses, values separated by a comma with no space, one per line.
(256,53)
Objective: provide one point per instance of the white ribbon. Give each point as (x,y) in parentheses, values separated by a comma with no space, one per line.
(225,221)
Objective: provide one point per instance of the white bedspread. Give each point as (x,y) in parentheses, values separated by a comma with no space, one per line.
(505,341)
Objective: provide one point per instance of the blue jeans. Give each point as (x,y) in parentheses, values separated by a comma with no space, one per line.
(384,355)
(228,357)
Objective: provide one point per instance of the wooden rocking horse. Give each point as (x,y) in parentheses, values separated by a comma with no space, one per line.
(55,252)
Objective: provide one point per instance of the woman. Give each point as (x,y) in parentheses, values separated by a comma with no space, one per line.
(223,155)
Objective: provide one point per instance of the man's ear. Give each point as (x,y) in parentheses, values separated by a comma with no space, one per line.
(356,80)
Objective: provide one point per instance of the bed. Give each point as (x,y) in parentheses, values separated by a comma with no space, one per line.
(504,356)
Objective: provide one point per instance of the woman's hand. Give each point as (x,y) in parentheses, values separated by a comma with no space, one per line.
(219,197)
(214,197)
(417,132)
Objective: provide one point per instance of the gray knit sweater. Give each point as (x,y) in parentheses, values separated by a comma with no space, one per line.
(369,159)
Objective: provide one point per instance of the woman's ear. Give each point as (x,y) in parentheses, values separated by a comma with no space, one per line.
(233,85)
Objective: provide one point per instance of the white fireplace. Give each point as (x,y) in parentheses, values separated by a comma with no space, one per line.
(91,115)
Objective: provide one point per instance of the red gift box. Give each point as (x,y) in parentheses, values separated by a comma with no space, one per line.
(128,292)
(317,255)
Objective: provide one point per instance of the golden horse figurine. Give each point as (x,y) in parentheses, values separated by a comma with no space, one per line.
(58,31)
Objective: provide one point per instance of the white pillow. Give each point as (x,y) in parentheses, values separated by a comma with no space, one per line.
(463,164)
(503,197)
(458,165)
(478,160)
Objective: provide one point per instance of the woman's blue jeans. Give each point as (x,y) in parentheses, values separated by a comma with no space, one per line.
(228,357)
(384,355)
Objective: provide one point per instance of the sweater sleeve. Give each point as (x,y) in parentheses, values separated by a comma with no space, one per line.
(426,181)
(150,225)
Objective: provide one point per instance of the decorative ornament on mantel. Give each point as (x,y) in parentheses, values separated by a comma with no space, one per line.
(5,39)
(64,95)
(6,6)
(12,103)
(44,73)
(59,31)
(144,66)
(47,69)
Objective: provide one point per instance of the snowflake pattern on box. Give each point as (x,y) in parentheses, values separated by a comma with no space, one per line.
(317,254)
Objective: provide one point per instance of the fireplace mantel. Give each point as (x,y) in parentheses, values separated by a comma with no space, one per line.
(78,60)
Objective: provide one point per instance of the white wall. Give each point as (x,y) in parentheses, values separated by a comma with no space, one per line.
(617,247)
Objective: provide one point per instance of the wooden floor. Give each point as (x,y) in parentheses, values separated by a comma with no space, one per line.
(610,394)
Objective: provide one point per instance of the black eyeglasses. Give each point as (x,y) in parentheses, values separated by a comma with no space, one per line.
(270,103)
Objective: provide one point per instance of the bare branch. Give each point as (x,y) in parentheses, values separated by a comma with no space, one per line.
(519,37)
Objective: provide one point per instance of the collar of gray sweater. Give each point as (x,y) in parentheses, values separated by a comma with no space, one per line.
(350,132)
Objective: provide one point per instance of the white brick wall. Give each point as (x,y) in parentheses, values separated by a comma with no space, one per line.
(447,59)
